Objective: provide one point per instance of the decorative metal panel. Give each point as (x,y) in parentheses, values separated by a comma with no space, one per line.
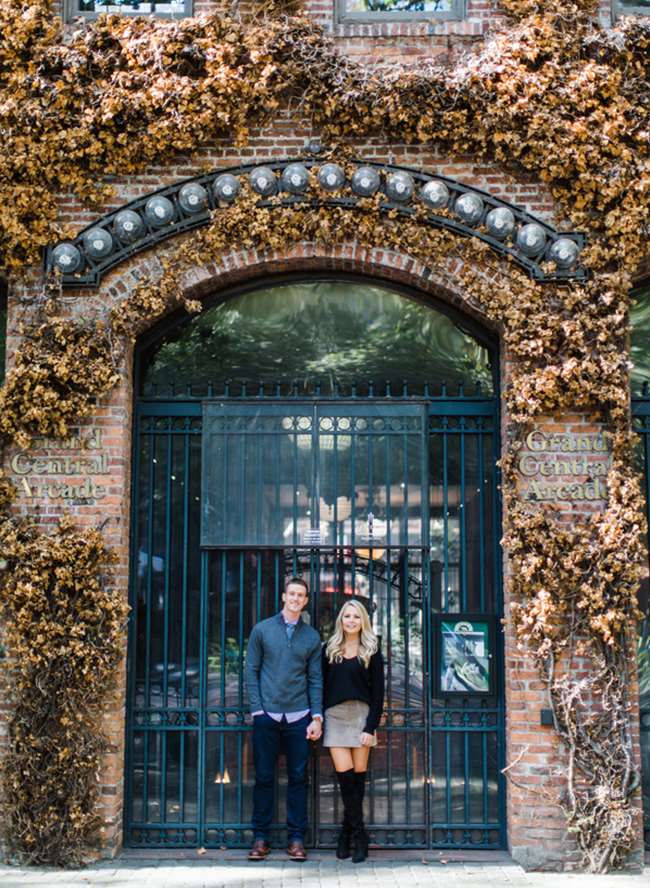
(313,474)
(536,246)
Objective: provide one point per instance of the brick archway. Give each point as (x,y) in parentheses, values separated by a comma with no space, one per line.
(441,286)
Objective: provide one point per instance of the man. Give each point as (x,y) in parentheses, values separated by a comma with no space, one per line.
(285,690)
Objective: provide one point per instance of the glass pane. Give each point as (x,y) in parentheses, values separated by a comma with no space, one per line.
(640,353)
(229,779)
(643,650)
(370,475)
(464,785)
(167,571)
(243,588)
(331,334)
(396,791)
(157,672)
(258,484)
(640,340)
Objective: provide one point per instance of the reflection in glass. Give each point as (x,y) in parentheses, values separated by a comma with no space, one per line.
(640,339)
(331,333)
(173,8)
(397,788)
(387,6)
(643,653)
(465,777)
(258,484)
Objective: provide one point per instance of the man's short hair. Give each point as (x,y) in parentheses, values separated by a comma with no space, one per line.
(296,581)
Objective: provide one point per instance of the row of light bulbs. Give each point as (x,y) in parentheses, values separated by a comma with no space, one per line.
(399,186)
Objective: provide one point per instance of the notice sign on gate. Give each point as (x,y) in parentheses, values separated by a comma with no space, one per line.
(464,648)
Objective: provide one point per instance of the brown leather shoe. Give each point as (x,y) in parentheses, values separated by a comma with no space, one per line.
(296,851)
(260,850)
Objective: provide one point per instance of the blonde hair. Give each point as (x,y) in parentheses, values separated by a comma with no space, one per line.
(368,641)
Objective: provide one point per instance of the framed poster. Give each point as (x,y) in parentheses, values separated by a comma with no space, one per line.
(464,655)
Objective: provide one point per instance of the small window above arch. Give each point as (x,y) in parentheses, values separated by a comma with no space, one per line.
(369,11)
(90,9)
(630,7)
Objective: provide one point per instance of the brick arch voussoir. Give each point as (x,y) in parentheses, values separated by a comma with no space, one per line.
(443,282)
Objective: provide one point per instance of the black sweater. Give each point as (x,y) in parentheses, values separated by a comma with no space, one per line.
(350,680)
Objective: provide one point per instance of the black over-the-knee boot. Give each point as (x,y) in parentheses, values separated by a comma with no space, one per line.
(359,833)
(348,787)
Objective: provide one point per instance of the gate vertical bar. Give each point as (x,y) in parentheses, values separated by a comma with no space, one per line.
(167,568)
(184,580)
(481,493)
(203,610)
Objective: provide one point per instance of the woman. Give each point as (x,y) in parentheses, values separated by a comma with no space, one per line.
(353,685)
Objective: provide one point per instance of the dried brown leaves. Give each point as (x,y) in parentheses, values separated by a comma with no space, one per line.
(553,95)
(65,634)
(60,370)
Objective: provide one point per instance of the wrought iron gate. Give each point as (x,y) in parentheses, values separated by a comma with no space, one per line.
(393,498)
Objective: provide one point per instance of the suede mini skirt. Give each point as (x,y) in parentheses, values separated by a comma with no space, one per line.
(344,724)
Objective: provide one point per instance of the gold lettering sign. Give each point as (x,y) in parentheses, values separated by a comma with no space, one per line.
(69,475)
(564,467)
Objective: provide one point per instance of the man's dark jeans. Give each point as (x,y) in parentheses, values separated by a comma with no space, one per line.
(269,739)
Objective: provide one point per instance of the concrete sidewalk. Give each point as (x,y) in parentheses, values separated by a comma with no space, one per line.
(321,871)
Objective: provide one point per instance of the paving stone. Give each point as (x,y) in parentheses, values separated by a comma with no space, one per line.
(315,873)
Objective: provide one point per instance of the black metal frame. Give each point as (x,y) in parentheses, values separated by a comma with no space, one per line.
(93,270)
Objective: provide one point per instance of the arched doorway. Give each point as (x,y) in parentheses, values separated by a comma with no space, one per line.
(340,429)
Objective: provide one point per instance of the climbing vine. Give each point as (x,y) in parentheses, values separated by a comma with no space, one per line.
(61,369)
(64,627)
(553,95)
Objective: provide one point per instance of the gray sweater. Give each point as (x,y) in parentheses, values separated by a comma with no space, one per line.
(282,675)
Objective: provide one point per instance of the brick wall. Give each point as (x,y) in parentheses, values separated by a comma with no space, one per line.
(536,831)
(561,457)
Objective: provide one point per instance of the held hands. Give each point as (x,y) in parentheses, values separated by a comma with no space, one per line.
(366,739)
(314,730)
